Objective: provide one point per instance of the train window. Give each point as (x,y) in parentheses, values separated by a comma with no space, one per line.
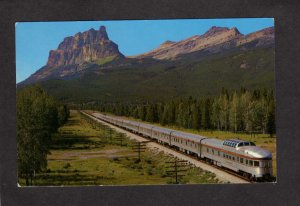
(241,160)
(256,163)
(233,158)
(250,162)
(227,156)
(246,162)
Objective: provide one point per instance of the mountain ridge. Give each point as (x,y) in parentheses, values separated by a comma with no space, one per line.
(77,54)
(212,41)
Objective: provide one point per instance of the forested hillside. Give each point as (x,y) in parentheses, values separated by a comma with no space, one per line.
(239,111)
(160,80)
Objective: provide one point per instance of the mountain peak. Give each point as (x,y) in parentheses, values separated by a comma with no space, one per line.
(103,33)
(215,30)
(167,43)
(83,46)
(235,31)
(102,28)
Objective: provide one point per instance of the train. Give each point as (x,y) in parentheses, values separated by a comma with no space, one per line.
(242,157)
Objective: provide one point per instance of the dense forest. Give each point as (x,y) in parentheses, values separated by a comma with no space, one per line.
(238,111)
(38,117)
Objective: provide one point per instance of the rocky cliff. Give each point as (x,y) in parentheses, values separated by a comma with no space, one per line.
(83,47)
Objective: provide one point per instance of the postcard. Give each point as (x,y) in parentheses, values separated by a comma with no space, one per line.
(146,102)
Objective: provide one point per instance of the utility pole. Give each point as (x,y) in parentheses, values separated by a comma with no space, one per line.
(178,166)
(109,135)
(120,138)
(140,147)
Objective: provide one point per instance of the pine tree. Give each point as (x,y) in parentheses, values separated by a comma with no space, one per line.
(271,127)
(196,116)
(36,120)
(234,112)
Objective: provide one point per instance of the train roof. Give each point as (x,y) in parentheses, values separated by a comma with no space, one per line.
(255,152)
(192,137)
(162,129)
(132,122)
(148,126)
(213,142)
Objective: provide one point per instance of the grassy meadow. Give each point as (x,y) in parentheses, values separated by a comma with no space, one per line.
(83,153)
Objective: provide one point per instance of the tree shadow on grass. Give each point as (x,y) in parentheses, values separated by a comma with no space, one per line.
(70,178)
(71,141)
(72,122)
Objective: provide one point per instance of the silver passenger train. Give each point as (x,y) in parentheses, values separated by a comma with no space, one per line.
(240,156)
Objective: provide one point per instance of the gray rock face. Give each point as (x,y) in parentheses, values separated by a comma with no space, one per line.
(87,46)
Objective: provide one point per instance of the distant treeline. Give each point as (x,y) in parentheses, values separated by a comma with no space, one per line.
(38,117)
(238,111)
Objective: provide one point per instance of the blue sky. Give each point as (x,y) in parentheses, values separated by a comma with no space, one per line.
(34,40)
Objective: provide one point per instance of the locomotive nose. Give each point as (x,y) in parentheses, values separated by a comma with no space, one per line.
(258,152)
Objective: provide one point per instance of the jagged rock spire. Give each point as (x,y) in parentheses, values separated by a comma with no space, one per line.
(87,46)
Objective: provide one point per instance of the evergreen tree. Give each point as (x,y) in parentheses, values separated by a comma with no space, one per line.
(37,118)
(215,117)
(234,114)
(196,116)
(224,110)
(206,114)
(271,127)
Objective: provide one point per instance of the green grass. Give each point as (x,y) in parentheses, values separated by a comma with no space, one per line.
(104,60)
(83,154)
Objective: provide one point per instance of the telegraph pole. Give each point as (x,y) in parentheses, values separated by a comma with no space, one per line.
(120,138)
(177,169)
(140,147)
(110,131)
